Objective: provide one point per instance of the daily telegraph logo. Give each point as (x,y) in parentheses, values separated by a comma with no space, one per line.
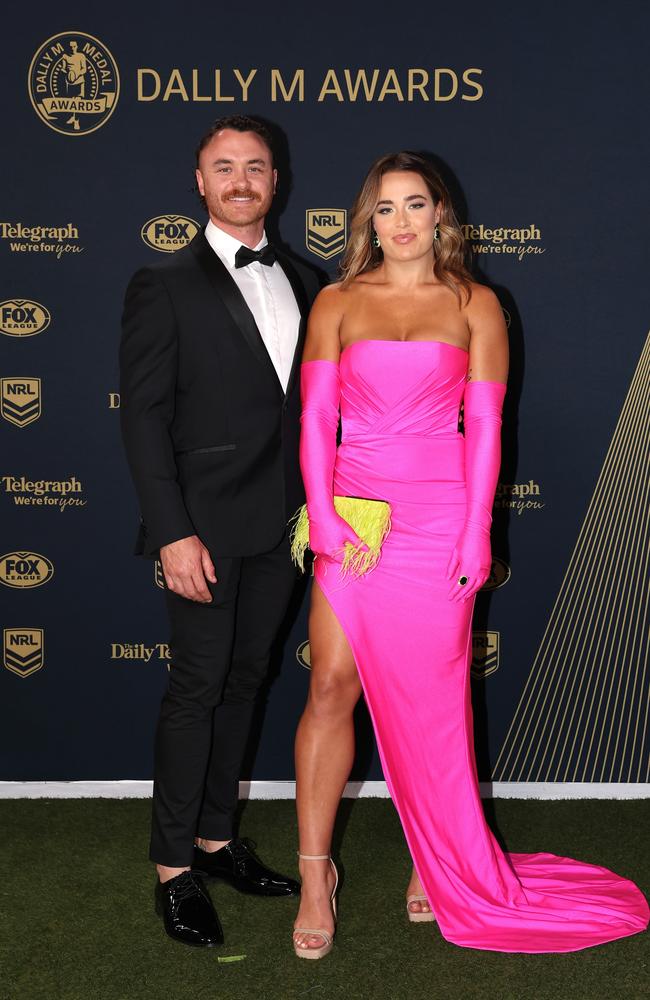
(168,233)
(24,570)
(73,83)
(518,497)
(517,242)
(20,400)
(23,317)
(499,575)
(485,654)
(43,492)
(325,231)
(140,651)
(23,650)
(53,240)
(303,655)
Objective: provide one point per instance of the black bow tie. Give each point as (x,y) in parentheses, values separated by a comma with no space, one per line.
(245,256)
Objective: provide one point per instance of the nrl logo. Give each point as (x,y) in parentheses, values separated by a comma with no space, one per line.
(326,231)
(485,654)
(23,650)
(20,400)
(168,233)
(303,655)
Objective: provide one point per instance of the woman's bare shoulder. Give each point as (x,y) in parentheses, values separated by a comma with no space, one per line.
(481,298)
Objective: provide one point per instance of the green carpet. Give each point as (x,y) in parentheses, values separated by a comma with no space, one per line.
(78,923)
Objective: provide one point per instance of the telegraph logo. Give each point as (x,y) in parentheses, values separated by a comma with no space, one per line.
(73,83)
(169,232)
(499,575)
(23,650)
(140,651)
(326,231)
(20,400)
(53,240)
(303,655)
(158,575)
(516,241)
(485,654)
(23,317)
(23,570)
(519,497)
(43,492)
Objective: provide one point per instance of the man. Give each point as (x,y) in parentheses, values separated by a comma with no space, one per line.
(210,354)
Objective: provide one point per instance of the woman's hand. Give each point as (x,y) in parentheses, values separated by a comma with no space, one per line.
(328,535)
(471,557)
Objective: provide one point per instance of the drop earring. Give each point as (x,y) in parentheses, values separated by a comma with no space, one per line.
(375,240)
(436,232)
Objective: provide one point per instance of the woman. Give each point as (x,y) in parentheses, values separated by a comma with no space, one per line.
(398,345)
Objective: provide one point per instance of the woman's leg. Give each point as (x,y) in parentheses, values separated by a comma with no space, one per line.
(324,755)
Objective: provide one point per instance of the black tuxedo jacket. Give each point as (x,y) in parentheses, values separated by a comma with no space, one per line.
(211,437)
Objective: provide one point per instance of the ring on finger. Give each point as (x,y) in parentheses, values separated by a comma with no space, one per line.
(462,580)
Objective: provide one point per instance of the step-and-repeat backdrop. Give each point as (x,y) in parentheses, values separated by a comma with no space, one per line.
(536,123)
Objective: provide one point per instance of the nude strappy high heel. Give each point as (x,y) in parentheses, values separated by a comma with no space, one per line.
(328,939)
(420,916)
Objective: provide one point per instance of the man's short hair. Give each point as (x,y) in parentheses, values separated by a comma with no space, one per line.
(238,123)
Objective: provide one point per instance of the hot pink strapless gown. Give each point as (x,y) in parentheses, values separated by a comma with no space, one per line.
(399,409)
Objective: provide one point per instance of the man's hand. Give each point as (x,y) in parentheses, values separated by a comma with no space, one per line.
(187,565)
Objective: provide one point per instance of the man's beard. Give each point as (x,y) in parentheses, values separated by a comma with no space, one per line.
(254,210)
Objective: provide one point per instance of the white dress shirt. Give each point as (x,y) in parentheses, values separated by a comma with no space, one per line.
(269,297)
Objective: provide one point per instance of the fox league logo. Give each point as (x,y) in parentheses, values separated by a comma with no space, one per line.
(23,650)
(168,233)
(74,83)
(20,400)
(24,570)
(303,655)
(325,229)
(499,574)
(23,317)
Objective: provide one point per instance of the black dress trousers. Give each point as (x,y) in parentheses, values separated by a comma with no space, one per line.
(219,659)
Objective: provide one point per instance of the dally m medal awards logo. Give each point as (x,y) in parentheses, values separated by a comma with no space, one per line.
(485,654)
(23,650)
(169,233)
(20,400)
(73,83)
(23,570)
(23,317)
(326,231)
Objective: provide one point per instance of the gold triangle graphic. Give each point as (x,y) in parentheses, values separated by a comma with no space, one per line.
(583,713)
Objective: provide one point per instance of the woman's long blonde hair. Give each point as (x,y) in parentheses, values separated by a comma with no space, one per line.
(448,250)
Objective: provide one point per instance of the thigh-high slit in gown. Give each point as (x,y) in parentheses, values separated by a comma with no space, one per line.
(400,442)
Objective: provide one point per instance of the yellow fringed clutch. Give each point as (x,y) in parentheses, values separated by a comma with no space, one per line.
(370,519)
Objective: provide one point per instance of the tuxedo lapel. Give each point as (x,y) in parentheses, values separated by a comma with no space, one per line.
(303,305)
(234,301)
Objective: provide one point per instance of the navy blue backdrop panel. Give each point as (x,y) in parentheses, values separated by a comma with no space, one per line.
(535,118)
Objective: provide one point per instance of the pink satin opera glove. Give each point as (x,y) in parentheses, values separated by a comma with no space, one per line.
(320,391)
(472,556)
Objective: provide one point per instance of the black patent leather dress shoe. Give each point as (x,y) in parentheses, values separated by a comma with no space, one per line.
(237,864)
(187,911)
